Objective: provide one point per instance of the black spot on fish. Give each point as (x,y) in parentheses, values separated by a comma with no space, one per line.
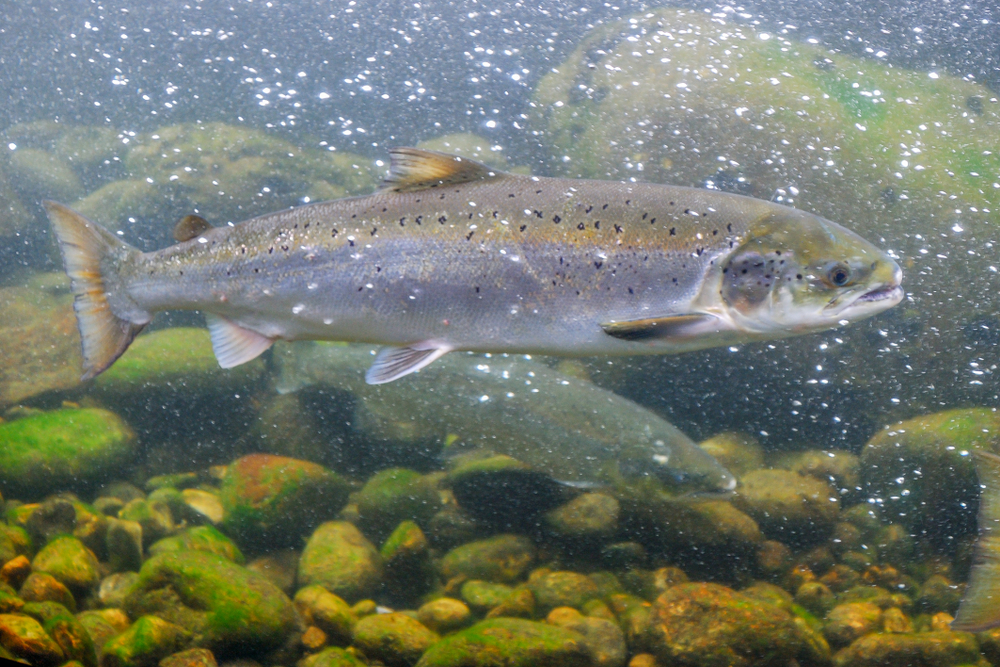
(597,225)
(419,217)
(556,219)
(442,219)
(378,269)
(715,232)
(628,202)
(334,232)
(538,192)
(511,195)
(604,207)
(598,265)
(442,196)
(470,216)
(384,209)
(645,215)
(671,203)
(495,215)
(469,237)
(798,276)
(729,228)
(630,291)
(305,226)
(181,272)
(360,288)
(477,290)
(270,251)
(351,242)
(618,229)
(401,222)
(256,270)
(589,209)
(538,214)
(653,221)
(355,215)
(673,231)
(295,226)
(523,227)
(374,230)
(285,248)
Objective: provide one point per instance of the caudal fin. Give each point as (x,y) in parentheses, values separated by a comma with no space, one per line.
(980,608)
(92,255)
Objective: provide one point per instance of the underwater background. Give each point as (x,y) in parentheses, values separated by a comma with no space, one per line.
(284,513)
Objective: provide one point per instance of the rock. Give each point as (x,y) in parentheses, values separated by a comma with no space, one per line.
(847,622)
(227,608)
(174,480)
(71,636)
(501,558)
(521,643)
(41,587)
(313,639)
(339,558)
(444,615)
(203,504)
(108,506)
(766,593)
(15,571)
(124,491)
(39,342)
(939,503)
(602,637)
(894,620)
(478,483)
(624,556)
(941,649)
(519,604)
(276,501)
(939,594)
(738,452)
(589,517)
(894,544)
(396,639)
(145,643)
(280,567)
(63,449)
(49,519)
(838,468)
(395,495)
(124,544)
(840,578)
(9,600)
(815,597)
(193,657)
(328,612)
(708,624)
(103,625)
(453,526)
(561,589)
(467,145)
(789,506)
(25,638)
(200,538)
(483,596)
(407,562)
(115,587)
(332,657)
(41,174)
(773,557)
(155,518)
(71,563)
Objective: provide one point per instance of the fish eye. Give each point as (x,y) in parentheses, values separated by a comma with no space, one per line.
(839,275)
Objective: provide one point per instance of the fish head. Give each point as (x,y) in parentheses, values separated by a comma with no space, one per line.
(797,272)
(681,466)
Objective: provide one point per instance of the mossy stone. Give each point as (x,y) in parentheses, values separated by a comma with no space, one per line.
(940,502)
(63,449)
(501,558)
(511,642)
(589,516)
(941,649)
(193,657)
(199,538)
(72,637)
(145,643)
(603,637)
(276,500)
(25,638)
(849,621)
(227,608)
(708,625)
(788,506)
(342,560)
(483,596)
(124,545)
(332,657)
(444,614)
(42,587)
(42,174)
(395,495)
(562,589)
(328,612)
(839,468)
(102,625)
(70,562)
(396,639)
(738,452)
(156,519)
(113,588)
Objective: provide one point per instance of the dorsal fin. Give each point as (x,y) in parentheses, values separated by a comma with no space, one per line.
(189,227)
(415,169)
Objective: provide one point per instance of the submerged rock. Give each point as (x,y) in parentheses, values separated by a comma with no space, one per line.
(62,449)
(921,471)
(850,621)
(603,638)
(199,538)
(332,657)
(789,506)
(339,558)
(444,614)
(227,608)
(395,495)
(515,642)
(739,452)
(146,642)
(502,558)
(941,649)
(562,589)
(396,639)
(70,562)
(193,657)
(25,638)
(328,612)
(66,630)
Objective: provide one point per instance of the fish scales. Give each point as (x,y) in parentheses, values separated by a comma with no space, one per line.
(451,255)
(510,263)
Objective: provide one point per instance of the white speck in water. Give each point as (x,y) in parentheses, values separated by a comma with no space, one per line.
(12,146)
(484,398)
(298,308)
(957,228)
(933,75)
(202,239)
(764,36)
(327,321)
(312,285)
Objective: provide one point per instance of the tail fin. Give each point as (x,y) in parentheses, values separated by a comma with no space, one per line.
(92,256)
(980,608)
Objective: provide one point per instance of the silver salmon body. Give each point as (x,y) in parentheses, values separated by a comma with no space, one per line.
(452,255)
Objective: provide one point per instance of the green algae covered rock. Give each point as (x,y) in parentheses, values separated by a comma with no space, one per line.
(395,495)
(339,558)
(328,612)
(589,516)
(168,357)
(849,621)
(42,587)
(939,501)
(275,500)
(193,657)
(788,506)
(708,625)
(603,637)
(940,649)
(562,589)
(62,449)
(484,595)
(72,637)
(331,657)
(145,643)
(511,642)
(25,638)
(70,562)
(199,538)
(102,625)
(396,639)
(501,558)
(444,614)
(227,608)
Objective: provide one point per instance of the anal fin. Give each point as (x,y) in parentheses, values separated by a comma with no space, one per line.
(234,345)
(661,328)
(392,363)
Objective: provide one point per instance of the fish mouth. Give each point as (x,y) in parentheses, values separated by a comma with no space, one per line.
(892,292)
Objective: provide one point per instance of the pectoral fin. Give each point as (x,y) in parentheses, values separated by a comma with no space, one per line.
(392,363)
(980,608)
(234,345)
(660,328)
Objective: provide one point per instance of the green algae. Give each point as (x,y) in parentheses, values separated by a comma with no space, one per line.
(145,643)
(339,558)
(501,558)
(199,538)
(394,495)
(522,643)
